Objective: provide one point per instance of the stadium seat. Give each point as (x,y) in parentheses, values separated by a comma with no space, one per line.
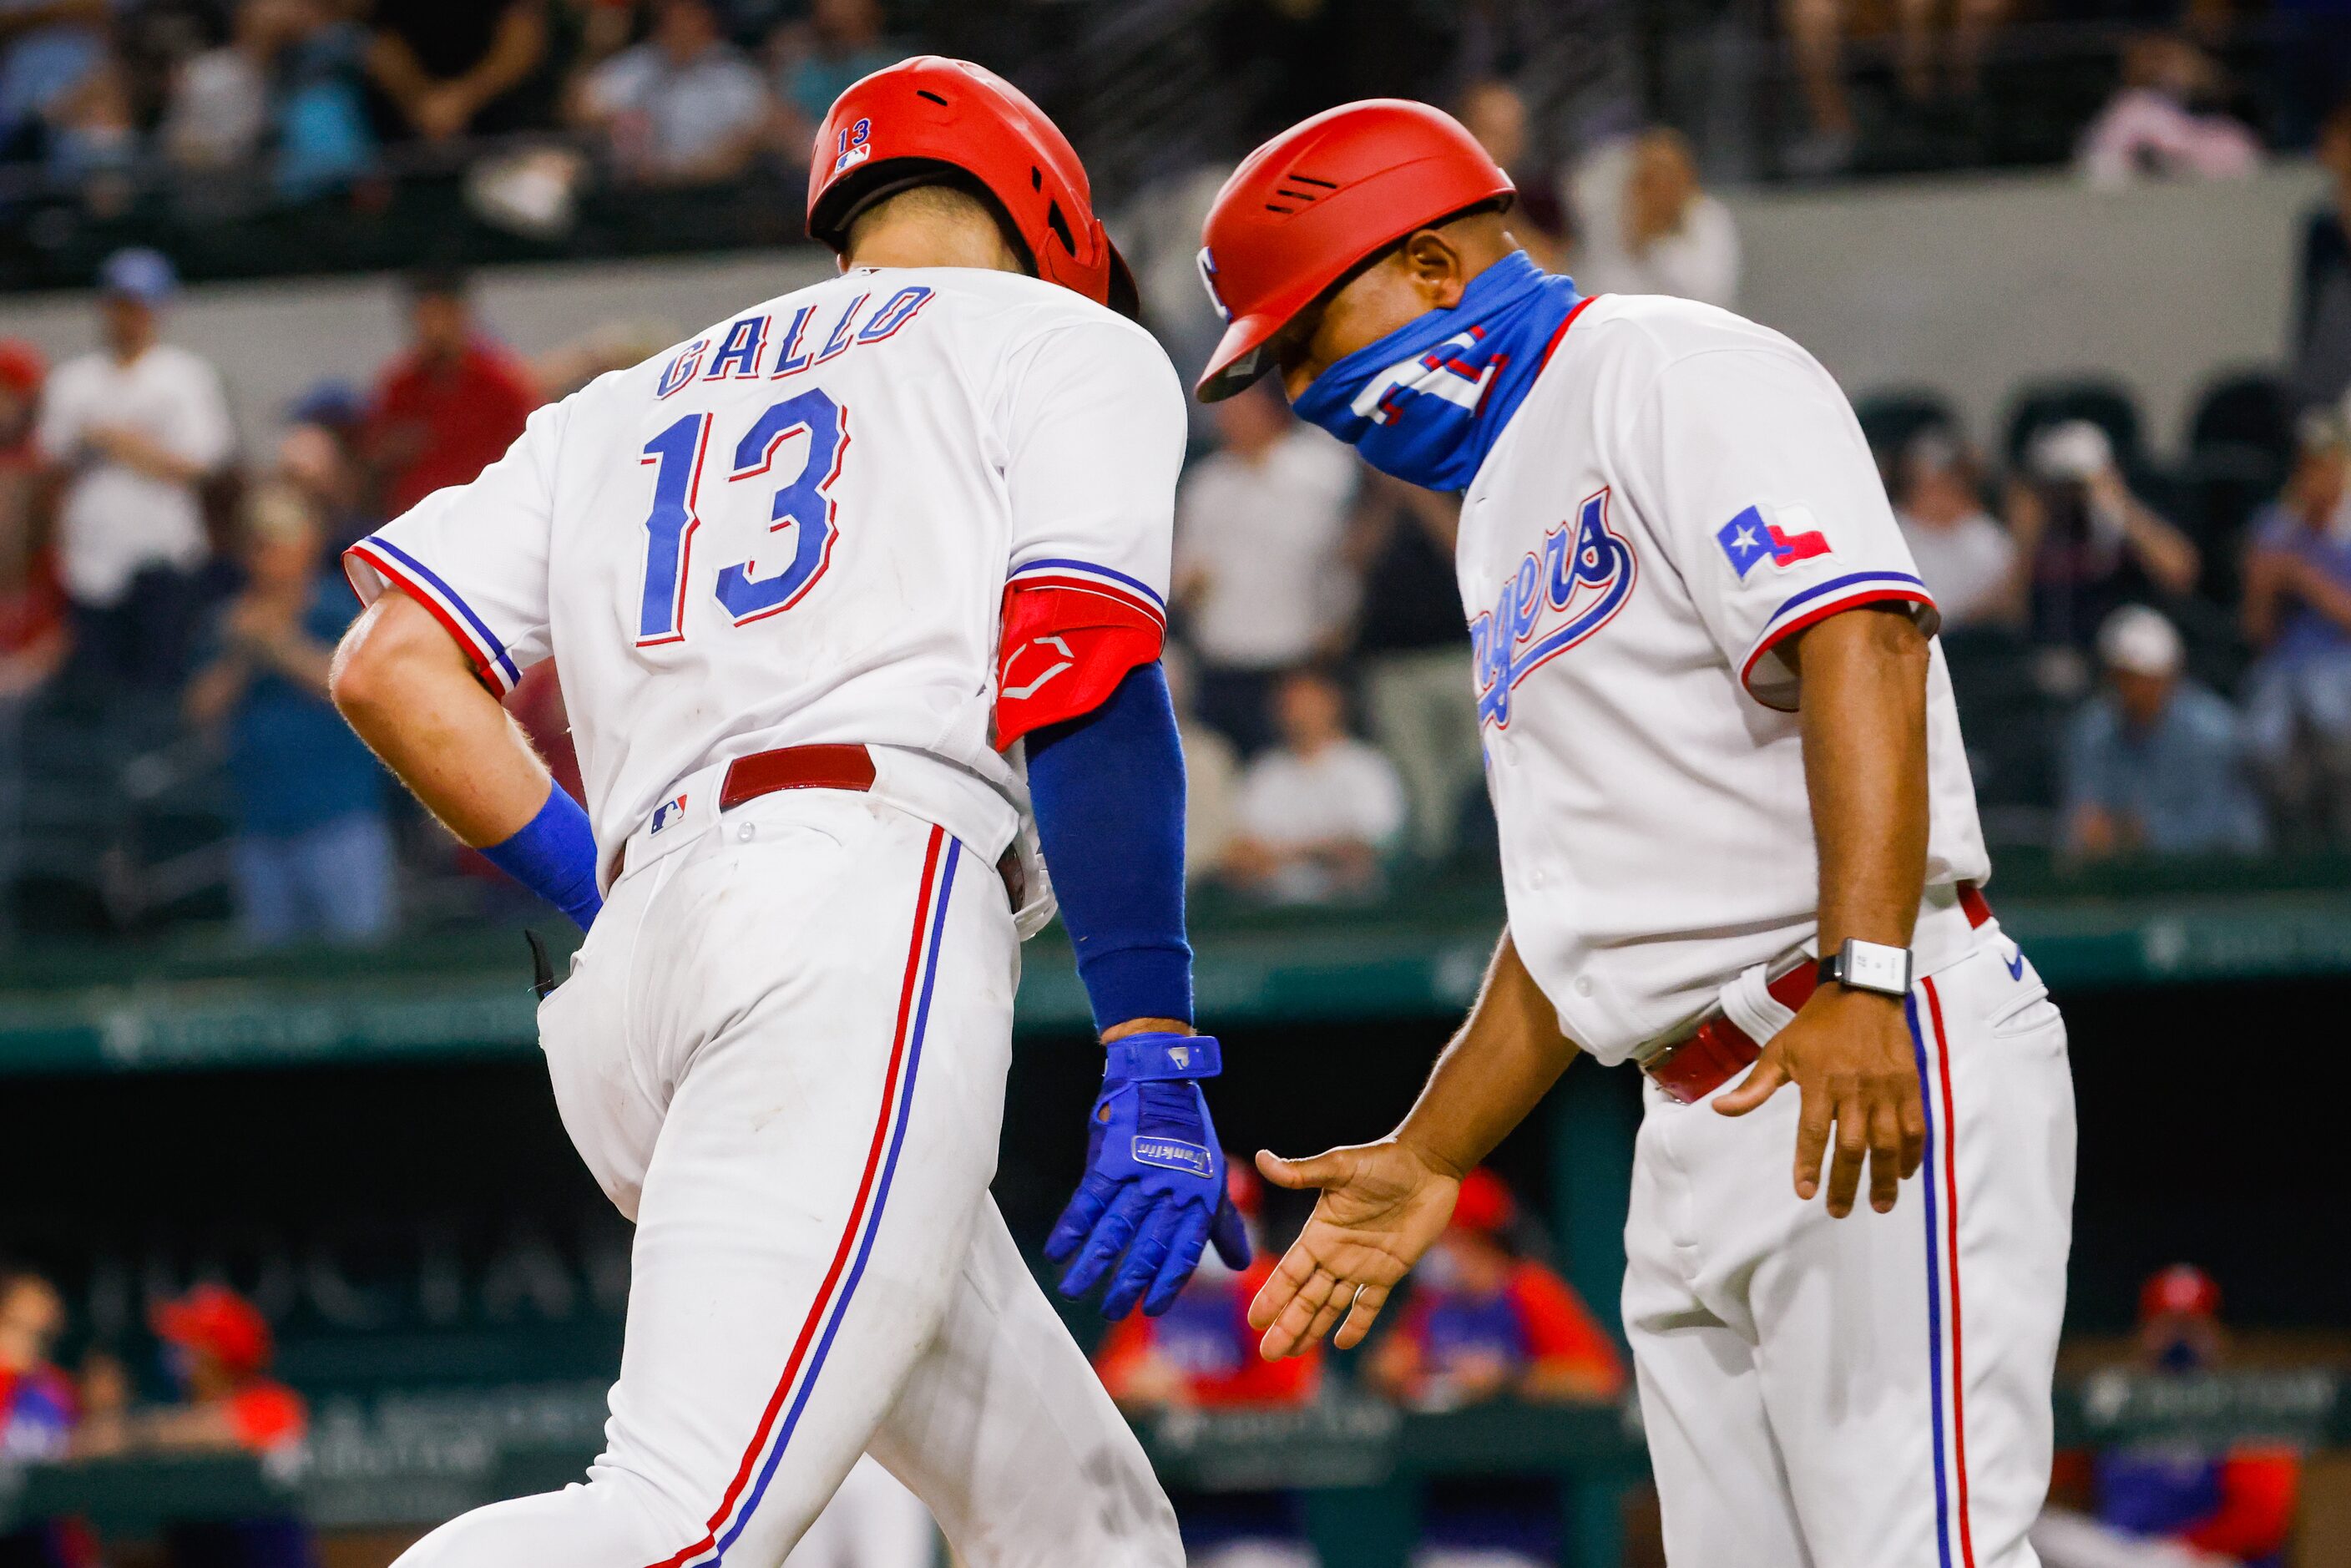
(1890,418)
(2248,409)
(2104,402)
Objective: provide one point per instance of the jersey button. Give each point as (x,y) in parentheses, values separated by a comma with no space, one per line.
(1583,986)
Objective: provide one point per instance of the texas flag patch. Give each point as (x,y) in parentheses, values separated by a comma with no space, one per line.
(1748,539)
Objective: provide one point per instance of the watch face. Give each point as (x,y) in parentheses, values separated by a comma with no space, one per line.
(1874,966)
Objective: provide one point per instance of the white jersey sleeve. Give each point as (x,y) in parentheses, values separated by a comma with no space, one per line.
(476,555)
(1768,503)
(1094,438)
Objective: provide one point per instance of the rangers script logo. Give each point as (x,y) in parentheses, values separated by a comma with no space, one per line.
(1559,595)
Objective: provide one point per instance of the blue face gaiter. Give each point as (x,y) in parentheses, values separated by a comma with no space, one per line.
(1427,402)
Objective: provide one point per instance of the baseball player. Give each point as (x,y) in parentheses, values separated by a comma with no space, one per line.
(839,588)
(1740,851)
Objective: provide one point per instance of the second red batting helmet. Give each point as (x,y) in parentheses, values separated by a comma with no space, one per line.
(1302,210)
(900,126)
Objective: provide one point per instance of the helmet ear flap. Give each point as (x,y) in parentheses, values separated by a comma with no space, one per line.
(1124,296)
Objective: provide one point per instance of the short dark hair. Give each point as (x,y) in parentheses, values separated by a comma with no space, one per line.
(438,280)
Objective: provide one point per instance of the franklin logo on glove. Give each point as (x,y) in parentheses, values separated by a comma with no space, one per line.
(1174,1155)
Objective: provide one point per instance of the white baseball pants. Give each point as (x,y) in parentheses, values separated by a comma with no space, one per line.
(782,1052)
(1870,1392)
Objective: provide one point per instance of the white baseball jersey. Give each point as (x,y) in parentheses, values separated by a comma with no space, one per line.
(1680,491)
(798,526)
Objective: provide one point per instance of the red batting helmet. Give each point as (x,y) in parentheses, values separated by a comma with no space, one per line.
(217,1320)
(1330,191)
(899,126)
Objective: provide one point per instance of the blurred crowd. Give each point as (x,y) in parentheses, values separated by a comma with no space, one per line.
(315,95)
(2151,650)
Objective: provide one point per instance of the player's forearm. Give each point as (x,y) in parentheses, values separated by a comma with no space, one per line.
(1865,737)
(1493,1072)
(405,686)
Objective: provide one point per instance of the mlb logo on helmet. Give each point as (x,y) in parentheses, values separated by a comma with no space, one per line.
(1748,539)
(1207,263)
(1181,1055)
(667,813)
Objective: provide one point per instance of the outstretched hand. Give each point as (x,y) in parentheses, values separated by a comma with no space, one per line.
(1381,1206)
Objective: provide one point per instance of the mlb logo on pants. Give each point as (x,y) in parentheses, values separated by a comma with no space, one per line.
(667,813)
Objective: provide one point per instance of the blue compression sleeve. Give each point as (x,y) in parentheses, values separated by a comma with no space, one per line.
(1109,793)
(554,855)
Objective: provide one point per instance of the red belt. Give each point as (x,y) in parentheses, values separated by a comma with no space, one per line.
(832,767)
(1718,1050)
(847,767)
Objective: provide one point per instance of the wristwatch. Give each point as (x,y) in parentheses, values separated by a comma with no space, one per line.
(1869,966)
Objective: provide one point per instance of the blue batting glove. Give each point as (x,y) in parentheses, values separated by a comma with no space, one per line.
(1153,1194)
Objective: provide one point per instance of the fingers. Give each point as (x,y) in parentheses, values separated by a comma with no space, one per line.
(1183,1257)
(1319,1170)
(1290,1332)
(1811,1140)
(1885,1156)
(1291,1272)
(1326,1318)
(1851,1146)
(1912,1116)
(1109,1239)
(1154,1240)
(1361,1316)
(1229,1232)
(1076,1222)
(1767,1080)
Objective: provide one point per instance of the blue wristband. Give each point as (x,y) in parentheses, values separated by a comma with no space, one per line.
(554,855)
(1136,1057)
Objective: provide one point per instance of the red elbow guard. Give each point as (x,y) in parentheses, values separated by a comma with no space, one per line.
(1062,652)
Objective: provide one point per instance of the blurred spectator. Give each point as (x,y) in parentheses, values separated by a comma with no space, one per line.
(612,346)
(1258,526)
(2322,297)
(2297,611)
(2157,763)
(684,108)
(840,41)
(1212,776)
(137,427)
(48,49)
(1966,559)
(2091,542)
(1481,1322)
(1816,31)
(318,456)
(2161,123)
(218,111)
(1496,114)
(37,1407)
(313,853)
(451,405)
(33,639)
(1644,227)
(93,138)
(217,1347)
(1414,652)
(446,68)
(2171,1505)
(1318,810)
(1202,1354)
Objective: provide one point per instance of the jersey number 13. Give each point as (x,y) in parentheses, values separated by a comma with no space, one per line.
(805,504)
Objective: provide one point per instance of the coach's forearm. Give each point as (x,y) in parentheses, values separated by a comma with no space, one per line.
(405,685)
(1492,1073)
(1864,721)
